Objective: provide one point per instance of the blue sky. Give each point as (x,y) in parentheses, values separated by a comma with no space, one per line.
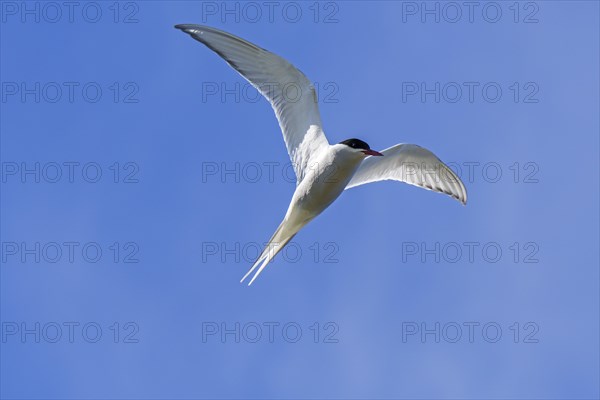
(140,176)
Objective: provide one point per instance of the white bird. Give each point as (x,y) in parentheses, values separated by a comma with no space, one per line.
(323,171)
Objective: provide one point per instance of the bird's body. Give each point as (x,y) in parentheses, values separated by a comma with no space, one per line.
(326,180)
(323,170)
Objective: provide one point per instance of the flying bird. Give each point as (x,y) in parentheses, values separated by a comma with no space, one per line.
(323,170)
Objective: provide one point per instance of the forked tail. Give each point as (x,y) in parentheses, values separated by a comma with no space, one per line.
(277,242)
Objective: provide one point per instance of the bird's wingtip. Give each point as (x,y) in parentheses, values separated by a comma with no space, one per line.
(185,27)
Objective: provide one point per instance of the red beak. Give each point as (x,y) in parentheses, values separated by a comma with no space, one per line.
(372,153)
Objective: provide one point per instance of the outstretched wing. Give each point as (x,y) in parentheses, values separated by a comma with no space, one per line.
(411,164)
(290,93)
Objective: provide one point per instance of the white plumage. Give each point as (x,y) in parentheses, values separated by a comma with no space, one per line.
(323,171)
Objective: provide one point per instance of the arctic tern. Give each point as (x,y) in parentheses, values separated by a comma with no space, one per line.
(323,171)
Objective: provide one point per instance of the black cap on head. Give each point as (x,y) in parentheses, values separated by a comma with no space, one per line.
(356,144)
